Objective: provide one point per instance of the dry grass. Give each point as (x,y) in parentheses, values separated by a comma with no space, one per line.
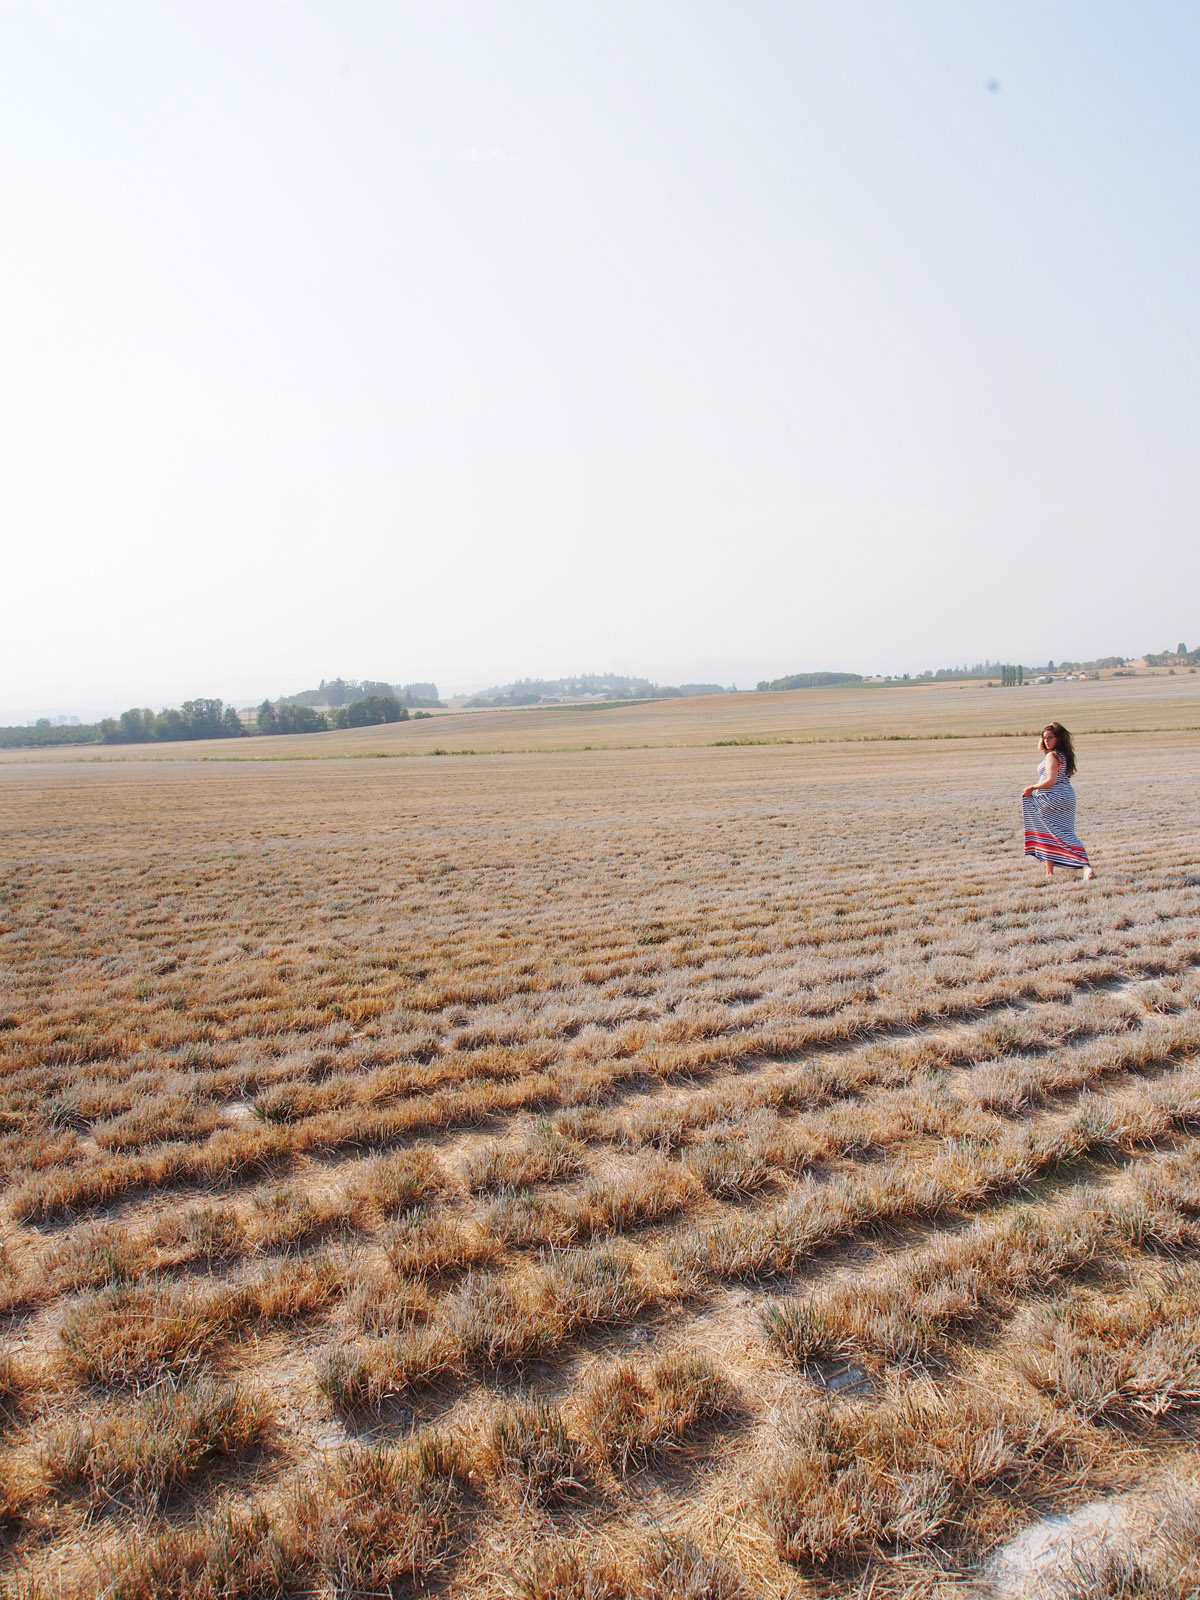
(668,1569)
(1162,1211)
(1160,1562)
(233,1554)
(291,1215)
(398,1182)
(855,1480)
(595,1110)
(544,1155)
(20,1501)
(146,1449)
(13,1386)
(654,1190)
(376,1303)
(140,1333)
(420,1246)
(636,1413)
(1128,1359)
(908,1311)
(532,1455)
(378,1521)
(204,1232)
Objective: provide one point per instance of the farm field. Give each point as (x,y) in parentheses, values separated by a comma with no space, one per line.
(952,710)
(691,1171)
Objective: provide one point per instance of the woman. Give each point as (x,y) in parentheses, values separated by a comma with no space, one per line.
(1049,806)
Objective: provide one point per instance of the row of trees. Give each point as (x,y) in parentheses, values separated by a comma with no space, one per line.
(592,685)
(367,712)
(981,669)
(288,719)
(812,680)
(213,719)
(194,719)
(1181,656)
(338,692)
(45,732)
(535,691)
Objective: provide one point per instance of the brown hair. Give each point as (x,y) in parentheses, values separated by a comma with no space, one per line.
(1062,745)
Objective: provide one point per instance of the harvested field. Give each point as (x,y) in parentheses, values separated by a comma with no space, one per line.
(895,711)
(683,1171)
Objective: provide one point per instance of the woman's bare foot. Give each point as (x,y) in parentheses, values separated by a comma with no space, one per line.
(1049,869)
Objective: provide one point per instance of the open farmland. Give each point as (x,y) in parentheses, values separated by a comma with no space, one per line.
(683,1171)
(805,716)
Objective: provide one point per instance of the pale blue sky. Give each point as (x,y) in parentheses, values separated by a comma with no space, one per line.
(469,341)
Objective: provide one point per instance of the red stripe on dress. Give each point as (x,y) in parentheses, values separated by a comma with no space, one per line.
(1057,853)
(1055,843)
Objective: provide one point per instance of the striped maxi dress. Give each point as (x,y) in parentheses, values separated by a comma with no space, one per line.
(1050,823)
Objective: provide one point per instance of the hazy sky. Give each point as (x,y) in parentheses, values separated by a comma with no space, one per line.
(471,341)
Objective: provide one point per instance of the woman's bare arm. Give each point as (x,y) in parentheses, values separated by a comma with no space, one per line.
(1051,778)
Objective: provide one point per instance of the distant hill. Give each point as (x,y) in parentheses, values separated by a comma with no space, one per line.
(586,686)
(813,680)
(345,691)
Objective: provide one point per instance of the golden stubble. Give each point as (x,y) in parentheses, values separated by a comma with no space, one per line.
(505,1157)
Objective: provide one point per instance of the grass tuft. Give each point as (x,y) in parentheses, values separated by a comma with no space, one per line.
(421,1245)
(131,1334)
(1130,1361)
(802,1331)
(398,1182)
(149,1448)
(670,1568)
(530,1452)
(544,1155)
(378,1522)
(635,1414)
(234,1554)
(857,1481)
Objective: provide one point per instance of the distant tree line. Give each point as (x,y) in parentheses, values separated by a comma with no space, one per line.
(206,719)
(1009,676)
(337,692)
(344,703)
(367,712)
(812,680)
(45,732)
(981,669)
(537,691)
(194,719)
(586,685)
(288,718)
(1180,657)
(686,690)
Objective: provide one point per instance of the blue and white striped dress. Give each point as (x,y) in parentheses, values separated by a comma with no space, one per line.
(1050,822)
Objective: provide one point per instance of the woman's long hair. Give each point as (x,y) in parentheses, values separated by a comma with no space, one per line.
(1062,745)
